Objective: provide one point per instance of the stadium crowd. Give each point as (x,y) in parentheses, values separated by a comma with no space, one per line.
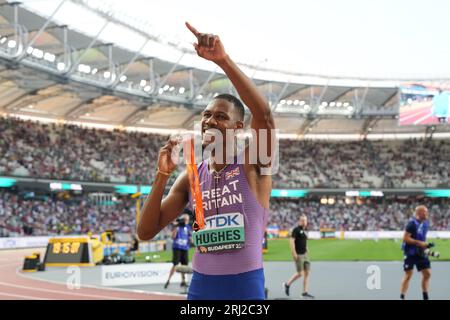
(364,164)
(69,152)
(72,152)
(47,215)
(50,215)
(388,214)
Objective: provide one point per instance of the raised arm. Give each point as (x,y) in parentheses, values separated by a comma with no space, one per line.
(211,48)
(174,232)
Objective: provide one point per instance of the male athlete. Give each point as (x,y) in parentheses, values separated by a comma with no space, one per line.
(227,262)
(414,246)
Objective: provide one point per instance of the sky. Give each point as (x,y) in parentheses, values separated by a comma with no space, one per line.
(388,39)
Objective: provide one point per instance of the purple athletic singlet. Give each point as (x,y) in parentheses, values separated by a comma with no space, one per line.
(227,194)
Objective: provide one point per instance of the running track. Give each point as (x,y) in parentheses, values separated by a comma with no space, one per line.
(420,115)
(14,286)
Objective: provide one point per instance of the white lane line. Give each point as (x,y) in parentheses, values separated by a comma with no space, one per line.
(21,296)
(412,115)
(88,286)
(59,292)
(422,119)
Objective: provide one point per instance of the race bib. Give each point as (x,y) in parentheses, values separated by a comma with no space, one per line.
(222,232)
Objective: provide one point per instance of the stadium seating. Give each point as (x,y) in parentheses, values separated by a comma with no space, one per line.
(73,153)
(78,215)
(369,215)
(68,152)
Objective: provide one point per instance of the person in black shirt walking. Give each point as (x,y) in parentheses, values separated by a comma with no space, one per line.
(299,251)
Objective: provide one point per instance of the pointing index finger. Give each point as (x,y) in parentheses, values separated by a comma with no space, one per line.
(192,29)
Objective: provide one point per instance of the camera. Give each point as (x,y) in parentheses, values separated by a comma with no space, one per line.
(180,222)
(430,253)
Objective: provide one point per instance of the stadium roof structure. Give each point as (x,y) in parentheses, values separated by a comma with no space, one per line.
(53,72)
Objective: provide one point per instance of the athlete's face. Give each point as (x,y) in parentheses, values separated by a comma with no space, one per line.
(220,115)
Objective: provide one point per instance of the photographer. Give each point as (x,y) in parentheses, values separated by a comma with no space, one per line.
(181,236)
(134,245)
(416,251)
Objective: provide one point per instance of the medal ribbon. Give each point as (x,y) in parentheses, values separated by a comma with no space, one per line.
(194,183)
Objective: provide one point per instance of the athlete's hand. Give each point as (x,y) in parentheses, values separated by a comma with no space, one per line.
(209,46)
(168,156)
(422,245)
(295,256)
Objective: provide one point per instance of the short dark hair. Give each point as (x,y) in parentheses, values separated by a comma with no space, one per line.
(238,105)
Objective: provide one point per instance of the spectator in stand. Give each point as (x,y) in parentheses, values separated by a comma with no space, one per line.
(75,153)
(79,215)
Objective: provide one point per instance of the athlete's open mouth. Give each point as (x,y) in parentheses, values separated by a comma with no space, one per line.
(209,133)
(205,128)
